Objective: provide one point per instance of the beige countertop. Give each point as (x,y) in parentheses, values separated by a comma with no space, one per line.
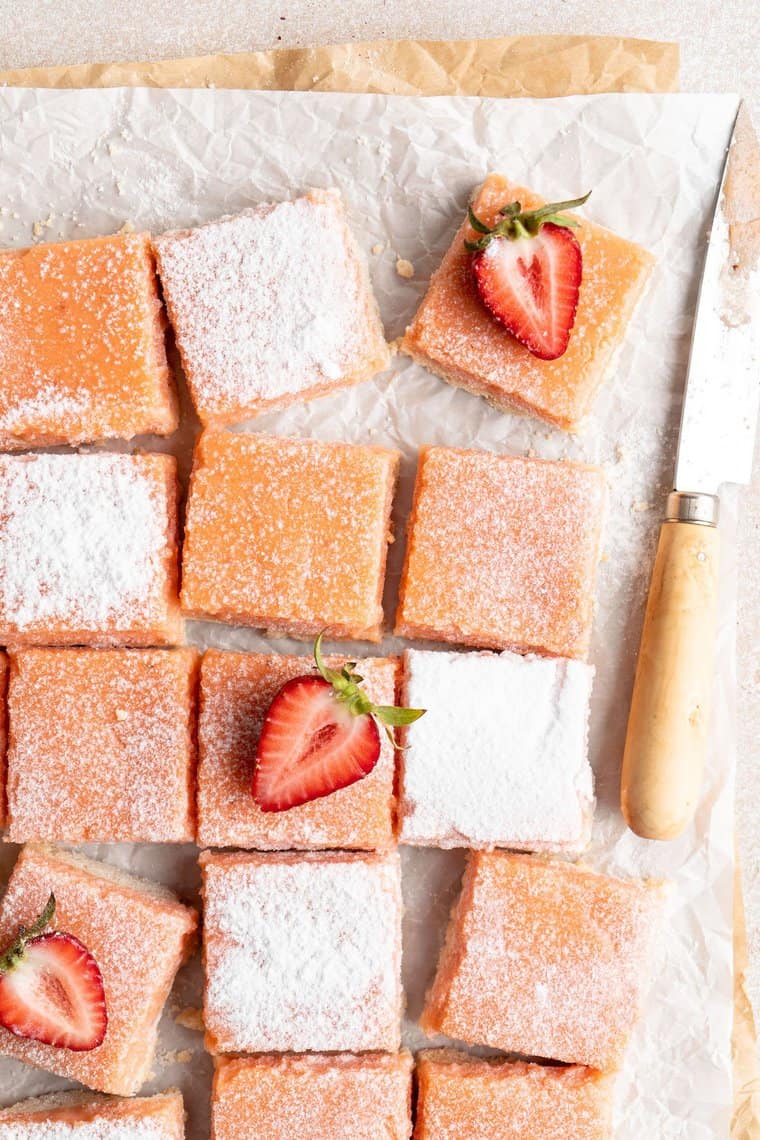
(719,53)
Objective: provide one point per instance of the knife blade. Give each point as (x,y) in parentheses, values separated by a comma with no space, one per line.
(666,741)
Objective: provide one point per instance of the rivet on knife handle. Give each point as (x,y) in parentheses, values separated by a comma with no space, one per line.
(666,742)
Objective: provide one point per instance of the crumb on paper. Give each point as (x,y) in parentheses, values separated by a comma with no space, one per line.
(41,225)
(640,505)
(190,1018)
(531,453)
(404,268)
(604,556)
(619,453)
(378,247)
(127,228)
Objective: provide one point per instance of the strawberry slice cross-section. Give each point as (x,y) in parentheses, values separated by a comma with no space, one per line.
(528,269)
(321,733)
(51,988)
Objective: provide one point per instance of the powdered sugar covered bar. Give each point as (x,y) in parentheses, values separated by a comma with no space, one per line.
(455,336)
(82,344)
(88,550)
(544,958)
(102,745)
(288,534)
(500,759)
(461,1096)
(236,692)
(271,306)
(502,552)
(319,1097)
(82,1116)
(302,952)
(139,934)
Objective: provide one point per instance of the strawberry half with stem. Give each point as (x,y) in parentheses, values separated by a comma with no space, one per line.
(321,733)
(528,269)
(51,988)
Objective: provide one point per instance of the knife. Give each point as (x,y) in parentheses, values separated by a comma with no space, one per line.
(666,741)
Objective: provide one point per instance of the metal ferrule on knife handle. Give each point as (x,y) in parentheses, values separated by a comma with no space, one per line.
(693,507)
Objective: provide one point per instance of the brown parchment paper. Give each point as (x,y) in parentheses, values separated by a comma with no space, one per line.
(537,66)
(531,66)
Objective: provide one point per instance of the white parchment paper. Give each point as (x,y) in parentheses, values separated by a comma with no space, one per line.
(78,163)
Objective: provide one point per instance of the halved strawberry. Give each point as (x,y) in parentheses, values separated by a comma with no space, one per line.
(51,988)
(320,734)
(528,269)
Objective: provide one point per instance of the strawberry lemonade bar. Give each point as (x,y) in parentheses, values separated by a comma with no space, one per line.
(82,1116)
(82,344)
(502,552)
(121,721)
(88,550)
(302,953)
(271,306)
(288,534)
(139,935)
(235,694)
(320,1097)
(544,958)
(460,1097)
(456,336)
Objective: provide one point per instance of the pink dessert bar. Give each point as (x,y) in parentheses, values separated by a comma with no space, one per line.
(271,306)
(302,952)
(274,1097)
(82,1116)
(88,550)
(477,771)
(544,958)
(463,1098)
(502,552)
(138,933)
(82,352)
(236,691)
(102,745)
(288,534)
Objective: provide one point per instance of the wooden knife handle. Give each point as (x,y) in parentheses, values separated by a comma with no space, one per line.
(666,742)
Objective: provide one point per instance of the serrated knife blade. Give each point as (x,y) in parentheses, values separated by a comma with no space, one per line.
(722,395)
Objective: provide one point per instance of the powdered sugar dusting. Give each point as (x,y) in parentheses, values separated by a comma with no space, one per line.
(302,954)
(544,958)
(478,771)
(269,305)
(84,546)
(502,552)
(118,721)
(89,1130)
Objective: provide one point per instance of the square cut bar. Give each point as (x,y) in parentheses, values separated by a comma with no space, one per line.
(288,534)
(271,306)
(302,953)
(477,771)
(236,692)
(88,550)
(139,934)
(82,1116)
(460,1096)
(102,745)
(502,552)
(544,958)
(455,336)
(320,1097)
(82,352)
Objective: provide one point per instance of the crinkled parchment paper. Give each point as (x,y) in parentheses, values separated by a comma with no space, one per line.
(77,163)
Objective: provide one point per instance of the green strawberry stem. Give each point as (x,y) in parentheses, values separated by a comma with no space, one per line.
(15,952)
(515,223)
(346,685)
